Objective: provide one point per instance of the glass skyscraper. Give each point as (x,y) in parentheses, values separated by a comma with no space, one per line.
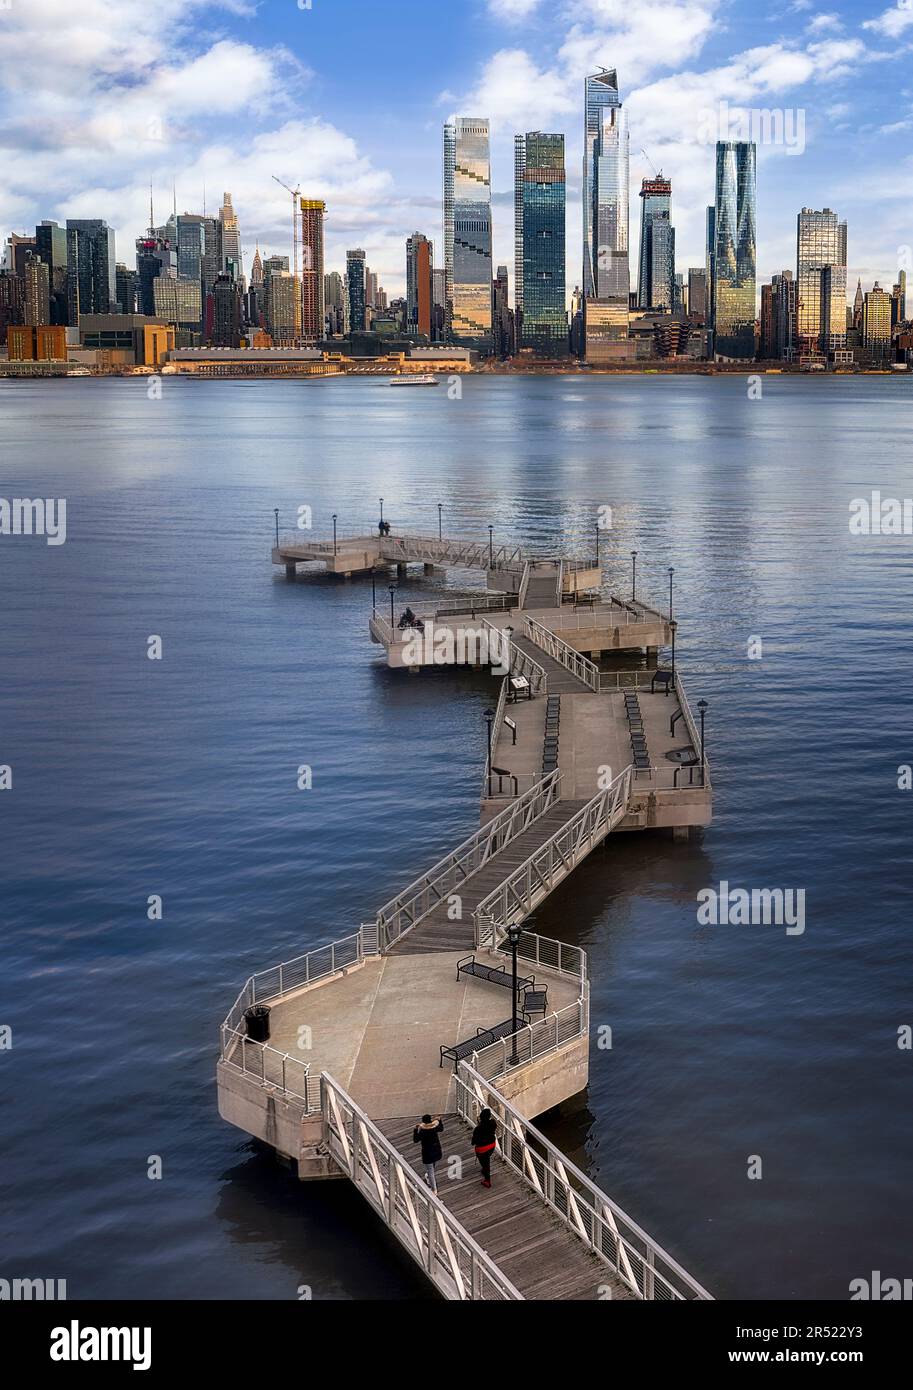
(820,282)
(539,273)
(355,289)
(735,252)
(656,277)
(605,191)
(467,232)
(91,269)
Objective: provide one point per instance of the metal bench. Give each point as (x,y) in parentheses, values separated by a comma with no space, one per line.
(484,1038)
(494,974)
(535,1000)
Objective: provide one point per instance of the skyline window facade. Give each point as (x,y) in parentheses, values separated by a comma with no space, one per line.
(656,269)
(820,282)
(735,250)
(467,232)
(539,276)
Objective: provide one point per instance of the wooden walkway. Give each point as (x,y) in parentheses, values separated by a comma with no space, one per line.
(437,932)
(531,1245)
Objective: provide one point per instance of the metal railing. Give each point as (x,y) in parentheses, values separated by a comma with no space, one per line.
(534,1040)
(634,1258)
(524,584)
(457,1266)
(267,1064)
(691,726)
(521,663)
(471,554)
(551,863)
(473,604)
(572,660)
(402,913)
(496,726)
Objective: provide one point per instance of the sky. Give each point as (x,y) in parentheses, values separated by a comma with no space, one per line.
(347,98)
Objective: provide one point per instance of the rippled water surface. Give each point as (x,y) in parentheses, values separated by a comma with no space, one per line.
(178,778)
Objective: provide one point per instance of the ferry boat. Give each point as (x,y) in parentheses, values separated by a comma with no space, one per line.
(426,380)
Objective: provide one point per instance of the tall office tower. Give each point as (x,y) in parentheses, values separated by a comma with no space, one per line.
(820,282)
(778,318)
(419,287)
(91,268)
(155,257)
(226,312)
(734,270)
(541,269)
(355,290)
(18,249)
(605,188)
(256,268)
(697,293)
(36,287)
(876,321)
(899,299)
(281,288)
(502,318)
(274,263)
(51,246)
(127,282)
(380,298)
(858,305)
(519,170)
(467,232)
(438,304)
(179,301)
(679,295)
(656,201)
(710,260)
(313,304)
(230,240)
(370,289)
(606,269)
(335,299)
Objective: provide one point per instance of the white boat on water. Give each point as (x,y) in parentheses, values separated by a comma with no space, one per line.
(426,380)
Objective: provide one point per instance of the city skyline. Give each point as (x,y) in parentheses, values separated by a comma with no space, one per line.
(380,184)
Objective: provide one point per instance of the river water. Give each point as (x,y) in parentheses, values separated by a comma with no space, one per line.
(177,778)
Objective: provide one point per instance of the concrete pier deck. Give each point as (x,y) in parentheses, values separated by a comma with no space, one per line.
(355,1028)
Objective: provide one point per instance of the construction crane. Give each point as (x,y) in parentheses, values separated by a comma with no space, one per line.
(296,194)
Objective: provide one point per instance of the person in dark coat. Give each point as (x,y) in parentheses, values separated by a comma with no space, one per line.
(426,1133)
(483,1141)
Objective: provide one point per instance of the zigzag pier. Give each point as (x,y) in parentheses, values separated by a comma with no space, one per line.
(417,1009)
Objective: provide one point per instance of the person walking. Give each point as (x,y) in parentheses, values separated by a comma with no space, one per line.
(426,1133)
(483,1141)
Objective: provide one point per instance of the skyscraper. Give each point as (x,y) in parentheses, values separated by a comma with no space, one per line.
(313,304)
(127,282)
(697,293)
(656,273)
(91,269)
(230,239)
(36,282)
(355,290)
(710,261)
(606,269)
(539,163)
(335,300)
(419,284)
(876,321)
(226,301)
(467,232)
(734,250)
(820,282)
(51,246)
(899,299)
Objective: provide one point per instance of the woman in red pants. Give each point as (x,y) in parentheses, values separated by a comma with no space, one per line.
(483,1141)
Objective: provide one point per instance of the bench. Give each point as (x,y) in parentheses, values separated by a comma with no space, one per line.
(501,773)
(535,1000)
(494,974)
(484,1038)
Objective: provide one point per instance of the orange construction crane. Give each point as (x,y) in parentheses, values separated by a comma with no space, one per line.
(296,194)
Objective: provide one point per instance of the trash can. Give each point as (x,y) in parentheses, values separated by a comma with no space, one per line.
(257,1020)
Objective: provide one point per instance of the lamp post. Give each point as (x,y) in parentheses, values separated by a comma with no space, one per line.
(440,524)
(671,572)
(392,588)
(703,707)
(373,594)
(633,575)
(489,720)
(514,931)
(276,510)
(673,625)
(597,544)
(334,533)
(491,553)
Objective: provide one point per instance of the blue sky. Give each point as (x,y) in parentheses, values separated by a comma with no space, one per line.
(348,97)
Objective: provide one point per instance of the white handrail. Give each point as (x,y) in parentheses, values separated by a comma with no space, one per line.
(266,1065)
(551,863)
(403,912)
(633,1256)
(520,662)
(559,650)
(496,726)
(455,1263)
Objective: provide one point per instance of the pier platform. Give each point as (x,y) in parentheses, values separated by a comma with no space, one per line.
(368,1032)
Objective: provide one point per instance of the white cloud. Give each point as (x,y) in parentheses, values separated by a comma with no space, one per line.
(512,11)
(893,22)
(824,23)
